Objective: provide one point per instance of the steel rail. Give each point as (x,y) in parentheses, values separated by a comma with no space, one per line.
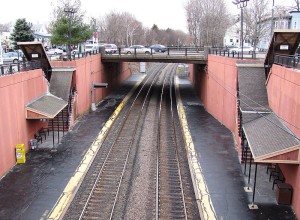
(113,144)
(176,149)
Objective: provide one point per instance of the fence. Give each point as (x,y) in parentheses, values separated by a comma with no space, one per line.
(12,68)
(222,51)
(287,60)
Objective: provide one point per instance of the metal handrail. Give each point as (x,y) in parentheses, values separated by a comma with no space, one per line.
(223,51)
(7,69)
(287,60)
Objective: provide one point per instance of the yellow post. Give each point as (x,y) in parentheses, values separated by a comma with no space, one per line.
(20,153)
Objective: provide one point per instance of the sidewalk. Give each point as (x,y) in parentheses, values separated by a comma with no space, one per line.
(222,170)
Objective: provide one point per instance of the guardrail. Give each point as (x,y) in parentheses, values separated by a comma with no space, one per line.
(287,61)
(6,69)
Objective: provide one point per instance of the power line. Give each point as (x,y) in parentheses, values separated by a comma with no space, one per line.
(213,76)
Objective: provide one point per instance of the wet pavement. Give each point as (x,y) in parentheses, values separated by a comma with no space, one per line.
(223,173)
(30,190)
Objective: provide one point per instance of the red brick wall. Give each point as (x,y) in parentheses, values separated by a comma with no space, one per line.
(15,92)
(18,89)
(217,87)
(283,88)
(90,69)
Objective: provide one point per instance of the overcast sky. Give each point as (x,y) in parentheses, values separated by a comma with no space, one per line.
(163,13)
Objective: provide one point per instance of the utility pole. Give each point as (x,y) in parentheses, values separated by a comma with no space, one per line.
(70,12)
(241,4)
(272,21)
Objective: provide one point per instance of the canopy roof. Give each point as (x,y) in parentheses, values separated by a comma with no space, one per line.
(45,107)
(270,141)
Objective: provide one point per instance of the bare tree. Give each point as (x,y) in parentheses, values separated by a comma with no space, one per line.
(208,21)
(256,12)
(4,27)
(297,5)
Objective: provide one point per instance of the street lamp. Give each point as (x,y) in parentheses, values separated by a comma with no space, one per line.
(69,12)
(241,4)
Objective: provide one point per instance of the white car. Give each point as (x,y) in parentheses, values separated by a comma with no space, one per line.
(55,51)
(91,47)
(138,49)
(246,49)
(110,48)
(12,57)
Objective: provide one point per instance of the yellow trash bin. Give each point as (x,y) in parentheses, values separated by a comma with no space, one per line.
(20,153)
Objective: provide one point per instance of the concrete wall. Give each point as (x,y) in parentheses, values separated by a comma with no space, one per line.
(18,89)
(15,92)
(90,69)
(283,86)
(217,89)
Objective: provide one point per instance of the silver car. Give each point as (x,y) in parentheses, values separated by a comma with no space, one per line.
(138,49)
(11,57)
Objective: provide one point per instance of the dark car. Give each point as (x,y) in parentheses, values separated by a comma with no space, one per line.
(159,48)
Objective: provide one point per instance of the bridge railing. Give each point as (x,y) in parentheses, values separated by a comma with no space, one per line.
(223,51)
(287,60)
(6,69)
(74,55)
(167,51)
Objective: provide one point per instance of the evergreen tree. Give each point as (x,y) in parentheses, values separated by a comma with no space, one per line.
(80,32)
(22,32)
(68,24)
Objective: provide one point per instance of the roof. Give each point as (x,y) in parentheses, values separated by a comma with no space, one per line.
(45,107)
(60,82)
(270,140)
(252,89)
(34,51)
(284,42)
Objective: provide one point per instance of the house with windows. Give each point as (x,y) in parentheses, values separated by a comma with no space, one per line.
(290,20)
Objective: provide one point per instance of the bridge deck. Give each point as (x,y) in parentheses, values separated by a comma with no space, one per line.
(162,58)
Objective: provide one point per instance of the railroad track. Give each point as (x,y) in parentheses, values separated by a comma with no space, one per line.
(170,196)
(101,201)
(106,192)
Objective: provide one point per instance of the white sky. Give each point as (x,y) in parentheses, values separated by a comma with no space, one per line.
(163,13)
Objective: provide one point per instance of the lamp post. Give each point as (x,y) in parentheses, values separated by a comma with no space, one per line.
(272,21)
(241,4)
(69,12)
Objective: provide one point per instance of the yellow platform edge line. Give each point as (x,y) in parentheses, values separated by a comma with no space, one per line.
(75,181)
(203,198)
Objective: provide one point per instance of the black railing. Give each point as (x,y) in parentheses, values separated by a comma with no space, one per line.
(74,55)
(12,68)
(220,51)
(287,61)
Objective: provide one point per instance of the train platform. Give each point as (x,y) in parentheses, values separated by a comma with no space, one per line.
(31,190)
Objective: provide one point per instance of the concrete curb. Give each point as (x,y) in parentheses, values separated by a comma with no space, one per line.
(73,185)
(204,202)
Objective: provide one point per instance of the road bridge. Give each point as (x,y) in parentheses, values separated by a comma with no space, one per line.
(170,56)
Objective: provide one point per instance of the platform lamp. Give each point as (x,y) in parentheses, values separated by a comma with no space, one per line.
(70,12)
(241,4)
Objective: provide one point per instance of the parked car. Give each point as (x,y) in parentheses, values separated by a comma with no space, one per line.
(139,49)
(159,48)
(55,51)
(230,47)
(75,51)
(247,49)
(110,48)
(91,47)
(11,57)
